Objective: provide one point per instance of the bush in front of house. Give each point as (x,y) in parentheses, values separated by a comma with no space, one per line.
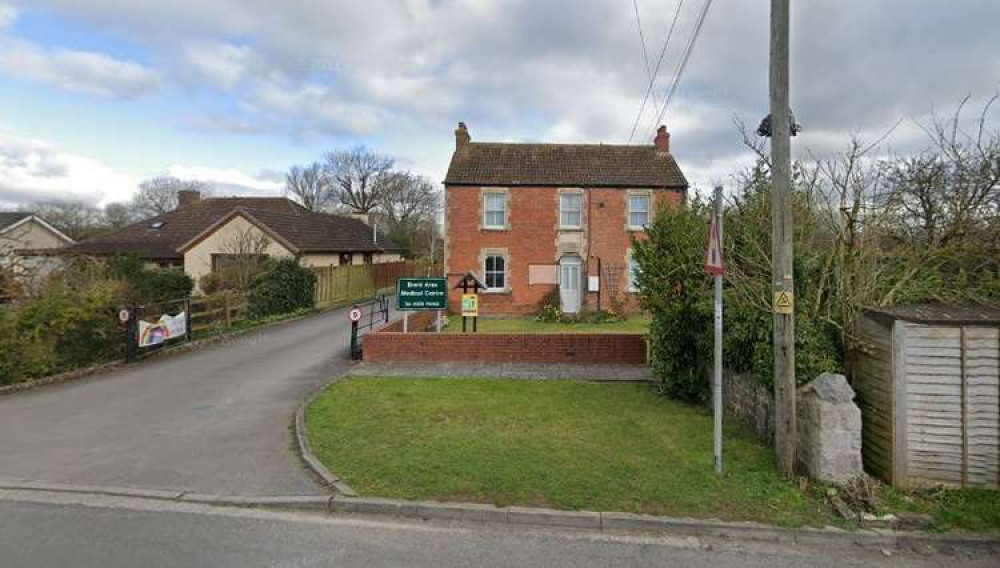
(284,287)
(147,285)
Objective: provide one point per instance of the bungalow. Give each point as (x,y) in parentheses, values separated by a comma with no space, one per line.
(533,219)
(21,235)
(202,235)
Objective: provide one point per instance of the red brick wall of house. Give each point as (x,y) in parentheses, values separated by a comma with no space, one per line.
(532,239)
(604,348)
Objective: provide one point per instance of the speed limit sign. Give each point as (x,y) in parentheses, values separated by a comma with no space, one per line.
(354,314)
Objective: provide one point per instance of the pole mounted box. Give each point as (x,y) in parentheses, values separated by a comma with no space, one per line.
(416,294)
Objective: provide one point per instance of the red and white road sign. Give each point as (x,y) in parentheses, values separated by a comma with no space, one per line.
(354,314)
(713,255)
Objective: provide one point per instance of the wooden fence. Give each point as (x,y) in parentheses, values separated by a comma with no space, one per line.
(218,311)
(335,285)
(345,284)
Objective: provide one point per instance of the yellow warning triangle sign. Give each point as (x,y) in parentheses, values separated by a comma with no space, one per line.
(783,302)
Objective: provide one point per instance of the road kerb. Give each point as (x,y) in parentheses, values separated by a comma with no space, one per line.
(23,485)
(288,502)
(328,478)
(525,516)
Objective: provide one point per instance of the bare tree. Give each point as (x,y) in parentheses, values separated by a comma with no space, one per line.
(244,257)
(117,215)
(309,185)
(158,195)
(406,199)
(75,219)
(356,177)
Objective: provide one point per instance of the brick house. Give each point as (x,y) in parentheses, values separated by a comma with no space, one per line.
(531,219)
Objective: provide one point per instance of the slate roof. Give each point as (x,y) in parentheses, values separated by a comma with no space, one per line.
(305,230)
(8,218)
(585,165)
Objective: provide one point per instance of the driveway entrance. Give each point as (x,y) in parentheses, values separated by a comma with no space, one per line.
(214,420)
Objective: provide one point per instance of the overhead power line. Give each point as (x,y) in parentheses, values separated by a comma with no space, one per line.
(642,42)
(656,70)
(683,63)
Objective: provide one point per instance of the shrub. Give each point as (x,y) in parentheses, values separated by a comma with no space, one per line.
(284,287)
(147,285)
(65,326)
(676,290)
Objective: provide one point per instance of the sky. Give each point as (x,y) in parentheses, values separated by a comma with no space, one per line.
(97,95)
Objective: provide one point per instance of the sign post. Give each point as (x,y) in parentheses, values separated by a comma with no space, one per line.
(714,266)
(421,294)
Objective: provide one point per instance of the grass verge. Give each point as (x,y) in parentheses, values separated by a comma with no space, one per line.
(576,446)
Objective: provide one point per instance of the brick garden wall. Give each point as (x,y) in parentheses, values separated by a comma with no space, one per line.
(607,348)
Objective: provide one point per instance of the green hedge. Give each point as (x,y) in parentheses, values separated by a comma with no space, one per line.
(284,287)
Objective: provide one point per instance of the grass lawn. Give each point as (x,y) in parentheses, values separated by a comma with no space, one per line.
(634,324)
(578,446)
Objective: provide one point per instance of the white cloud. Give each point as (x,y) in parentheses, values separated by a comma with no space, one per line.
(230,181)
(220,64)
(80,71)
(33,170)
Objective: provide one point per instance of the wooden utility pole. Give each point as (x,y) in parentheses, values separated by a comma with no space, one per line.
(781,244)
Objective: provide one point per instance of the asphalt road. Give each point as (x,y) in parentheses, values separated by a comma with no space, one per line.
(214,420)
(84,531)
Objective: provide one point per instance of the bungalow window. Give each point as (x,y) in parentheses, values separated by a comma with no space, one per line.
(638,211)
(570,210)
(495,210)
(495,270)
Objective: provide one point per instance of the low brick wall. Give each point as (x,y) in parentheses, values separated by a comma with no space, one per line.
(610,348)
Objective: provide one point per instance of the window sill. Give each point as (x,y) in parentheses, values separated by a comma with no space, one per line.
(636,229)
(498,229)
(497,291)
(571,229)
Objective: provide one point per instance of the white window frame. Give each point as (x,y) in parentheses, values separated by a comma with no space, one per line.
(649,210)
(503,196)
(503,273)
(563,210)
(632,270)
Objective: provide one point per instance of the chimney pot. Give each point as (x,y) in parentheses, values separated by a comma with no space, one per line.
(186,197)
(662,140)
(462,137)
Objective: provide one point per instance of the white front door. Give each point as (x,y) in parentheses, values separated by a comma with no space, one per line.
(569,284)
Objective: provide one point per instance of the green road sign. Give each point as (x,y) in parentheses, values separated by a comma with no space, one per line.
(422,293)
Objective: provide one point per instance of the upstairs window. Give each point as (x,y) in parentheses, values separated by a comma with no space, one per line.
(570,210)
(638,211)
(496,275)
(495,210)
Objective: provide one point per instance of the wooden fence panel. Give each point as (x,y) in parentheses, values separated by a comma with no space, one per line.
(339,285)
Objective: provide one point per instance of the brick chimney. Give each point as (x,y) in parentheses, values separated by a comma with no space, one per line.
(186,197)
(662,140)
(462,137)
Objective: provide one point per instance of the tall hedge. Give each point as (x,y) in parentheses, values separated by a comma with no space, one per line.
(284,287)
(678,293)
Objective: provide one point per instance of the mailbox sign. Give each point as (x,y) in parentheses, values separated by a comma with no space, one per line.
(422,294)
